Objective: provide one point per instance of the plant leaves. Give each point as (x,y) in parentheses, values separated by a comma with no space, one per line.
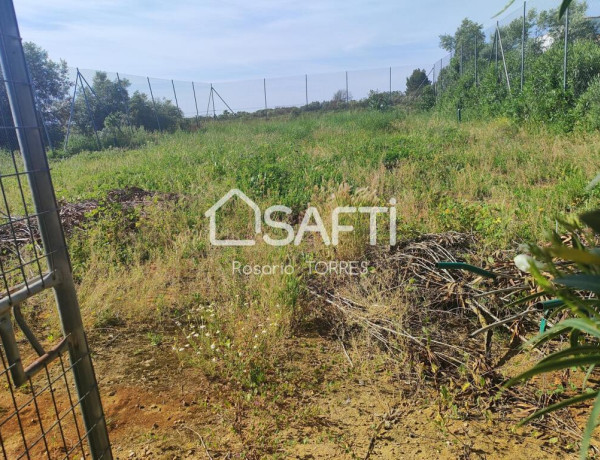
(583,282)
(560,405)
(563,8)
(583,324)
(592,219)
(572,351)
(576,255)
(589,429)
(542,368)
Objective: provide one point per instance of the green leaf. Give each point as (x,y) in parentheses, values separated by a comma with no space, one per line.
(563,8)
(583,324)
(560,405)
(576,255)
(589,429)
(542,368)
(507,6)
(572,351)
(582,282)
(592,220)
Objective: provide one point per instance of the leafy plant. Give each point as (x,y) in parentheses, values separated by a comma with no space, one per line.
(574,281)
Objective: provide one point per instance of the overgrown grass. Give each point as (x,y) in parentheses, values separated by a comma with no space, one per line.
(503,182)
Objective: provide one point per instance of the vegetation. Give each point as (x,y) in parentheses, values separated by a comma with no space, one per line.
(153,268)
(542,98)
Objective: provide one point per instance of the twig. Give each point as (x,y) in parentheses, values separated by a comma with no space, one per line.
(201,441)
(346,353)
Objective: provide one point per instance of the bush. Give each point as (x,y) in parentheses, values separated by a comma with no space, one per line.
(588,107)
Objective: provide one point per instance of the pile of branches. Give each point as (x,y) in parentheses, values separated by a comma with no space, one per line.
(441,317)
(20,230)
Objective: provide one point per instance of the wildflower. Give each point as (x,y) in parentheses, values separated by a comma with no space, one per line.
(212,346)
(524,262)
(195,334)
(203,326)
(182,349)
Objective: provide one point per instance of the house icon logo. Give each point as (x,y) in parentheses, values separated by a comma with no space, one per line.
(212,212)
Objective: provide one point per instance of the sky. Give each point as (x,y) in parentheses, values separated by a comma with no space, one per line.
(241,39)
(237,43)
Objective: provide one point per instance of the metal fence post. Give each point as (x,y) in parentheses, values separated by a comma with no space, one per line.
(476,57)
(22,105)
(496,48)
(265,91)
(346,86)
(195,103)
(153,104)
(174,93)
(89,110)
(70,116)
(523,46)
(306,87)
(565,63)
(503,58)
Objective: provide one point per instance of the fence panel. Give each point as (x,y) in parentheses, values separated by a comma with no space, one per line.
(49,403)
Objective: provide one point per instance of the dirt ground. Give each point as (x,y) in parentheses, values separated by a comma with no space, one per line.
(160,409)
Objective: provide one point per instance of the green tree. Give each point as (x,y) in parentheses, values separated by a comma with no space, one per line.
(51,87)
(417,82)
(144,113)
(105,97)
(463,39)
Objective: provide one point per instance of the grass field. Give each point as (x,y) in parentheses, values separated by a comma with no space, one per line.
(151,273)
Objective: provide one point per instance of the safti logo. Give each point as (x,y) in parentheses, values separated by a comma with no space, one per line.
(311,222)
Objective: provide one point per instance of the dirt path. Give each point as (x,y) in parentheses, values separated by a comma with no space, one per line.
(159,409)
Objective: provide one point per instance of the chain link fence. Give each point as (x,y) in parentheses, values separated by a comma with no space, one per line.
(103,109)
(49,403)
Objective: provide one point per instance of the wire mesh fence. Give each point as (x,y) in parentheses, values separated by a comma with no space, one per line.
(103,109)
(49,402)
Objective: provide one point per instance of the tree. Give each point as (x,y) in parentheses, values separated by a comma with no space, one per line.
(580,27)
(416,82)
(463,39)
(144,113)
(51,87)
(341,96)
(105,97)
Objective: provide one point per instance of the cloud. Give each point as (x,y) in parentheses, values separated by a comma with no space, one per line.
(233,39)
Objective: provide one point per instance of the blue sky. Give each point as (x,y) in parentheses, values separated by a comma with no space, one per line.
(240,39)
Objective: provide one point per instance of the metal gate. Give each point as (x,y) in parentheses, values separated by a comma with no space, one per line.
(49,401)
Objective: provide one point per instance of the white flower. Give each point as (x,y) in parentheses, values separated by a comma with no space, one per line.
(195,334)
(202,327)
(524,262)
(264,331)
(212,346)
(182,349)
